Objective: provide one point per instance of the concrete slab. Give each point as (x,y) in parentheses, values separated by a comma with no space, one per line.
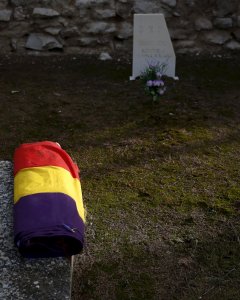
(20,278)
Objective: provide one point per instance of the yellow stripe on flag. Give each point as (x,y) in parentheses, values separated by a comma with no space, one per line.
(48,179)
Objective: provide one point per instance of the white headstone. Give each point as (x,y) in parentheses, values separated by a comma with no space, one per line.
(152,44)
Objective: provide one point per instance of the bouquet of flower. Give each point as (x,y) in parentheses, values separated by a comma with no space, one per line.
(152,78)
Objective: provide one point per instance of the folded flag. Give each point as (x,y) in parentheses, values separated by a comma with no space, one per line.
(49,216)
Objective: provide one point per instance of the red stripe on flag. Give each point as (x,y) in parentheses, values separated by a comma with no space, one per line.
(42,154)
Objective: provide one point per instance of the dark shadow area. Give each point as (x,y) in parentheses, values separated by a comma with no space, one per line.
(75,100)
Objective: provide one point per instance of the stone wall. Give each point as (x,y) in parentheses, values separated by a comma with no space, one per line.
(94,26)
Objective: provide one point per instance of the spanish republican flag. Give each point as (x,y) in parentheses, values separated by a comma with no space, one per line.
(49,216)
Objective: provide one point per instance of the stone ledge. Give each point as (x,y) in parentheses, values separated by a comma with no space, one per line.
(27,279)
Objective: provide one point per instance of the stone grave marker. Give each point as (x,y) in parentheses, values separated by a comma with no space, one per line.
(152,44)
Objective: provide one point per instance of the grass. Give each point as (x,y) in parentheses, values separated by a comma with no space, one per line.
(160,181)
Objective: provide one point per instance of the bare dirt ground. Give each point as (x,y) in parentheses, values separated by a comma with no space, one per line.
(160,181)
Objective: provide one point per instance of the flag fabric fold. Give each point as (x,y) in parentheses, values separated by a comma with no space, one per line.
(49,216)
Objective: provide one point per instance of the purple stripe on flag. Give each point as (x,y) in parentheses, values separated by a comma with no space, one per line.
(48,224)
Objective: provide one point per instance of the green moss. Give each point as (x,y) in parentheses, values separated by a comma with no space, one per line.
(233,193)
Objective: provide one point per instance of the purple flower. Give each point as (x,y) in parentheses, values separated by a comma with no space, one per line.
(149,83)
(156,83)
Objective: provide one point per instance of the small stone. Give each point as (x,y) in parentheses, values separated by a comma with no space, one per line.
(52,30)
(101,2)
(68,12)
(63,21)
(104,13)
(217,37)
(171,3)
(82,3)
(89,3)
(125,31)
(124,10)
(176,14)
(104,56)
(225,8)
(203,24)
(5,15)
(103,40)
(19,14)
(17,29)
(185,44)
(70,32)
(223,23)
(233,45)
(144,7)
(35,282)
(86,41)
(14,44)
(178,34)
(99,27)
(45,12)
(18,2)
(39,41)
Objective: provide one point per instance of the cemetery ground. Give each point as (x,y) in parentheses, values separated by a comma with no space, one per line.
(161,182)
